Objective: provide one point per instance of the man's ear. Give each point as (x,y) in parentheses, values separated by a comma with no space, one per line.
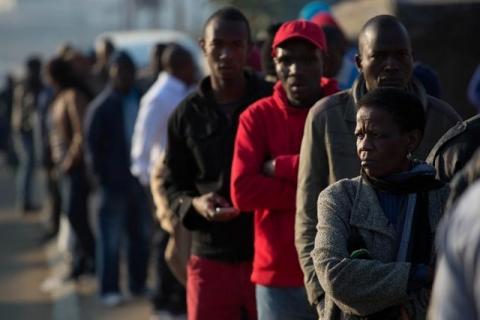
(358,61)
(414,139)
(201,43)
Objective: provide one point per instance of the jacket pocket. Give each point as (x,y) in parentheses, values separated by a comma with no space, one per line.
(208,147)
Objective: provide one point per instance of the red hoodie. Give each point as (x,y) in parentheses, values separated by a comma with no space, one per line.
(271,129)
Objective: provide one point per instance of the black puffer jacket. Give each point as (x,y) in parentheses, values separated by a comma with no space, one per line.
(455,148)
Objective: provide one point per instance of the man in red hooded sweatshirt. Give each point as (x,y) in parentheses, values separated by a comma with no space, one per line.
(265,164)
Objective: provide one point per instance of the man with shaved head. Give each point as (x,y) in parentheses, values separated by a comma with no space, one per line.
(328,153)
(150,134)
(198,161)
(123,208)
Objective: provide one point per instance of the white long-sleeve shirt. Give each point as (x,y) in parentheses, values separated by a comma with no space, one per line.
(150,133)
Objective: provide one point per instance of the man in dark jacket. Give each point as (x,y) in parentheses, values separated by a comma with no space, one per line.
(328,151)
(124,204)
(201,134)
(464,179)
(455,148)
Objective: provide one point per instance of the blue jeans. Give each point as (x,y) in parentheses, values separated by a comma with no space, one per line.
(283,304)
(25,149)
(126,212)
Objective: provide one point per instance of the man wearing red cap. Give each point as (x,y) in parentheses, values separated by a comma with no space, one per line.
(265,162)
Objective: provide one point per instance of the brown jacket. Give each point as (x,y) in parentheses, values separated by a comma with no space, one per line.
(66,134)
(177,252)
(328,154)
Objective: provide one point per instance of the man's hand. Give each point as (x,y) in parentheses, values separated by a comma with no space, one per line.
(206,204)
(269,168)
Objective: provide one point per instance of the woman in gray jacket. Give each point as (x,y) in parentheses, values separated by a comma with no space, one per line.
(374,245)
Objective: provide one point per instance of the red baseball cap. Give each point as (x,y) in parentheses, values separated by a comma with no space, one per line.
(300,29)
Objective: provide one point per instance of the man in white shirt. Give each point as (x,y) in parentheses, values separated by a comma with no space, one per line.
(148,146)
(150,133)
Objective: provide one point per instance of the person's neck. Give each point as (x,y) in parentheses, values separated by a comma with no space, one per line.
(307,103)
(122,91)
(230,90)
(180,77)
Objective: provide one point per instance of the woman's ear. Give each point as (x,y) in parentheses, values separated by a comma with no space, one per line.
(414,139)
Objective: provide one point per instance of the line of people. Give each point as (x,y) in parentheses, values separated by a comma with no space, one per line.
(279,196)
(83,118)
(233,166)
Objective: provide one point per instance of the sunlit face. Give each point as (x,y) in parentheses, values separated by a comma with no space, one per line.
(381,146)
(226,45)
(386,58)
(299,66)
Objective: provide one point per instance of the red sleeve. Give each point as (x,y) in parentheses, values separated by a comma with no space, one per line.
(286,167)
(250,189)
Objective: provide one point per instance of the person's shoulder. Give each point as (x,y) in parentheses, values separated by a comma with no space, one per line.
(341,196)
(154,99)
(187,108)
(463,131)
(152,93)
(442,108)
(262,87)
(102,98)
(469,128)
(336,103)
(74,95)
(161,89)
(345,187)
(261,106)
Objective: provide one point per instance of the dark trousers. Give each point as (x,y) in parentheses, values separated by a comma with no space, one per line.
(126,212)
(55,199)
(170,294)
(74,194)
